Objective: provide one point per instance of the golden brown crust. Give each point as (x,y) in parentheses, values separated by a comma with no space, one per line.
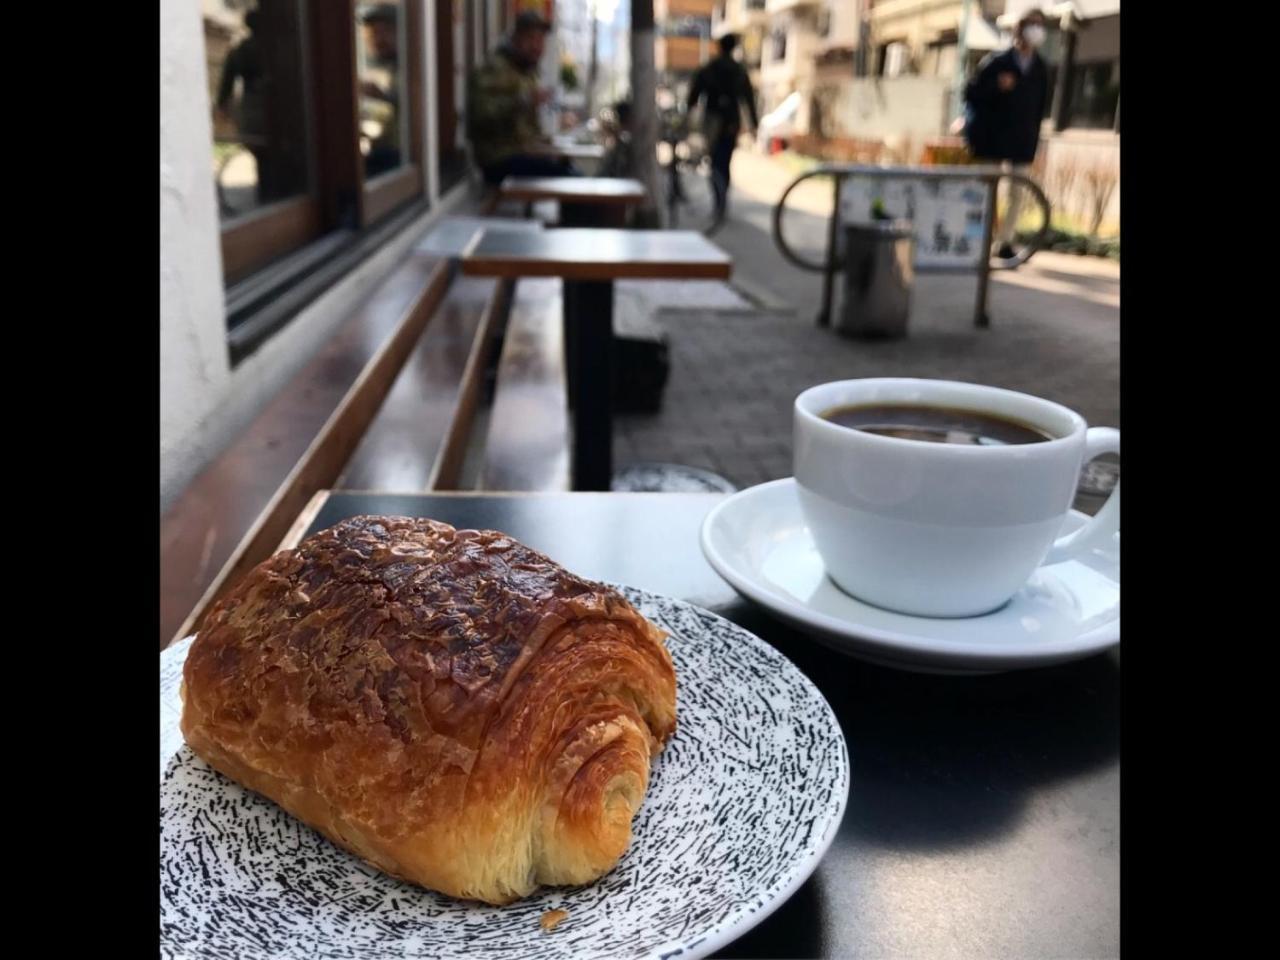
(552,919)
(448,704)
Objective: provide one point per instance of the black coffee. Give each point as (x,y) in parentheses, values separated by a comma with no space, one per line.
(936,424)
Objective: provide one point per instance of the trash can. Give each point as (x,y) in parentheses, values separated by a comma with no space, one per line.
(878,258)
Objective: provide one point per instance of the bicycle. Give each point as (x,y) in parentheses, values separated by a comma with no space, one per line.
(690,190)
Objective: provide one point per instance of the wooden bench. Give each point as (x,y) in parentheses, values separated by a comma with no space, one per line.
(527,447)
(388,401)
(238,508)
(418,439)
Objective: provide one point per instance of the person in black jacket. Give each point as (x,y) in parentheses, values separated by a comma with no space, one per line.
(725,84)
(1006,102)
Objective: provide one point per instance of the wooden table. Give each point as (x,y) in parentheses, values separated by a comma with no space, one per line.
(984,812)
(584,201)
(589,261)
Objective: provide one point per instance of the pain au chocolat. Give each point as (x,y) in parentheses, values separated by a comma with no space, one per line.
(449,705)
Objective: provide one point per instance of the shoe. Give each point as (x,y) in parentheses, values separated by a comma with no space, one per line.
(1005,252)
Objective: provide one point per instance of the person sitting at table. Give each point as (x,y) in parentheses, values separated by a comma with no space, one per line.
(502,108)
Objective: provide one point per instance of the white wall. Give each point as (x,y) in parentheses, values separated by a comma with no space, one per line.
(194,370)
(845,18)
(915,107)
(204,404)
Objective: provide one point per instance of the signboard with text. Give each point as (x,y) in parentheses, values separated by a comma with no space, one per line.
(948,215)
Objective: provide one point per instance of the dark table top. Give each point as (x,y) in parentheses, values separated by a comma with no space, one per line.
(597,254)
(984,812)
(451,235)
(574,189)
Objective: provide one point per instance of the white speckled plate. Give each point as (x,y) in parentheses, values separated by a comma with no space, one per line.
(742,804)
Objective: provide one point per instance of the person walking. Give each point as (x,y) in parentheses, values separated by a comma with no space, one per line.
(1006,103)
(725,86)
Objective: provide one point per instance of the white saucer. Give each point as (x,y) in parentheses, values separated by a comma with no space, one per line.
(758,541)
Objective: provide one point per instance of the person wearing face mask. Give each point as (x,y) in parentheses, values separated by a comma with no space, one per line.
(1006,102)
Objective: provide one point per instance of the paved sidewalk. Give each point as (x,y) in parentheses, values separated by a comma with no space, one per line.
(727,407)
(735,371)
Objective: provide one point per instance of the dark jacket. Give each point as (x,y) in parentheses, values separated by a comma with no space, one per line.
(502,108)
(725,84)
(1005,125)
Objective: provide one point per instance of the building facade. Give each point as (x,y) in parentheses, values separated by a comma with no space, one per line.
(750,21)
(790,46)
(1079,160)
(682,39)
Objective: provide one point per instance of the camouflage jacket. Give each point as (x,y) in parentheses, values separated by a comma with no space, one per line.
(502,109)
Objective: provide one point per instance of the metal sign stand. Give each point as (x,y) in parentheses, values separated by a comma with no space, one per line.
(990,176)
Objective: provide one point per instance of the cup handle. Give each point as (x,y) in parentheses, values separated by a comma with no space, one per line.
(1106,522)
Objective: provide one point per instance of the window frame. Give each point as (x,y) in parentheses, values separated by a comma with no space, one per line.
(283,249)
(389,191)
(1077,115)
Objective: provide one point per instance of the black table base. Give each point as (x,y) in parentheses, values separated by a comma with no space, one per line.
(592,214)
(588,338)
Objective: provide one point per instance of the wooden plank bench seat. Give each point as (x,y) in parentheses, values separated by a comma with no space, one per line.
(527,447)
(388,403)
(242,503)
(418,439)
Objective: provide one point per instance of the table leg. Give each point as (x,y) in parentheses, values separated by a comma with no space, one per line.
(570,315)
(592,215)
(589,341)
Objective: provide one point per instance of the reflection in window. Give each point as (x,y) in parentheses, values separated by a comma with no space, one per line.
(1095,92)
(896,59)
(384,118)
(255,66)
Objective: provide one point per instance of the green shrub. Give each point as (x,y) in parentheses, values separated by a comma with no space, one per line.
(1066,241)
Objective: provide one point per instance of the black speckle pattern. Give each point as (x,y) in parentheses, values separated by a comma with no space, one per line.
(741,806)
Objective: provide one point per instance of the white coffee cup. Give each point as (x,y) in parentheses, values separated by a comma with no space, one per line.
(942,529)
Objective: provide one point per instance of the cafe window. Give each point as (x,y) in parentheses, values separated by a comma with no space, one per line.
(263,154)
(317,130)
(893,60)
(779,44)
(824,22)
(1095,95)
(940,55)
(389,82)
